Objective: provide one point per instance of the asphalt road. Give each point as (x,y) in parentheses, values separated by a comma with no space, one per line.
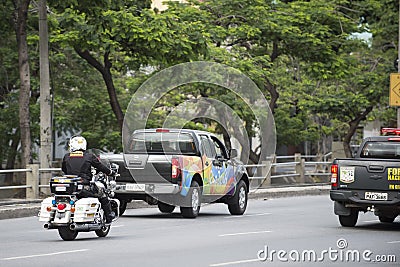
(295,231)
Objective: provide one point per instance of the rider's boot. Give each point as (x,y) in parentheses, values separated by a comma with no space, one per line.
(108,213)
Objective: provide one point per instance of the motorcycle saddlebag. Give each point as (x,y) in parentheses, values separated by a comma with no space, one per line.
(66,185)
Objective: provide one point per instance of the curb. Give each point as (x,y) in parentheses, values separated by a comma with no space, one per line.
(292,191)
(17,208)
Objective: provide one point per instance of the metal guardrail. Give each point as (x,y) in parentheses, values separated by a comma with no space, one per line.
(296,169)
(26,171)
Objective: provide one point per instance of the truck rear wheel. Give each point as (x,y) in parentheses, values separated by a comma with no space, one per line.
(195,201)
(350,220)
(165,208)
(239,199)
(122,206)
(385,219)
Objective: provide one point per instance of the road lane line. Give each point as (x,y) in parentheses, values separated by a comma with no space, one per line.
(44,255)
(371,221)
(245,233)
(248,215)
(233,262)
(393,242)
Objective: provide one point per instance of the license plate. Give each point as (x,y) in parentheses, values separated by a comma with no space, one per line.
(376,196)
(60,215)
(135,187)
(61,188)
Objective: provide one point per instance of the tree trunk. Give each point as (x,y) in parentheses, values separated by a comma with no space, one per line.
(107,77)
(352,129)
(21,16)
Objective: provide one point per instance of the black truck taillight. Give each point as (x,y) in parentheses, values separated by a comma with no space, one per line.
(176,171)
(334,175)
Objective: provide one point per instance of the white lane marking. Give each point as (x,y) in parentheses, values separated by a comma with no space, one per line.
(393,242)
(247,215)
(44,255)
(245,233)
(371,221)
(233,262)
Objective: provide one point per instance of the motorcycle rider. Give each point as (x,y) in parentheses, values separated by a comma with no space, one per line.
(79,162)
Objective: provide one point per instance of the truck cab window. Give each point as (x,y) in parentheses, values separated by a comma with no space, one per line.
(219,148)
(207,146)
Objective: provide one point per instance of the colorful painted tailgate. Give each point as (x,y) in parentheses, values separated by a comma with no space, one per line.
(181,167)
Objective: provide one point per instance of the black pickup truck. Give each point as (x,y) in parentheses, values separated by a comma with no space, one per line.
(180,168)
(368,182)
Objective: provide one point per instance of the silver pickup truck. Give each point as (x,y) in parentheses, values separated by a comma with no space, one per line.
(180,167)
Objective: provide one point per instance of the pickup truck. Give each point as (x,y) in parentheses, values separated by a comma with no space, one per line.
(180,167)
(368,182)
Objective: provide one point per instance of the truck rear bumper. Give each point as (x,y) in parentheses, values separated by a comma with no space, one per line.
(158,189)
(353,196)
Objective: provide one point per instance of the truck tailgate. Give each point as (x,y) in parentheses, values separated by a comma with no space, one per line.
(149,168)
(366,174)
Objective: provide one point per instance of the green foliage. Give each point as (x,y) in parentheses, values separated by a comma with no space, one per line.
(301,54)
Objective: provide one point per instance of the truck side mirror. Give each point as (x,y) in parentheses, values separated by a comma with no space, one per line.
(234,153)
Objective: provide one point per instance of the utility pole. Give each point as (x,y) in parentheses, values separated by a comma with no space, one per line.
(45,97)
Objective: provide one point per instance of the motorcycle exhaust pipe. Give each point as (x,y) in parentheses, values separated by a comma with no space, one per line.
(49,226)
(84,227)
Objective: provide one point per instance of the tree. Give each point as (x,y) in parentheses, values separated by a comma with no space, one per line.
(21,17)
(282,46)
(125,36)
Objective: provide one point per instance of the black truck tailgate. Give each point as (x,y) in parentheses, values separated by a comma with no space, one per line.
(369,174)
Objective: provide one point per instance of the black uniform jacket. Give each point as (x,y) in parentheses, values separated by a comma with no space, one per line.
(80,162)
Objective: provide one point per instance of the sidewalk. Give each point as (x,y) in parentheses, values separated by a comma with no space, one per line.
(16,208)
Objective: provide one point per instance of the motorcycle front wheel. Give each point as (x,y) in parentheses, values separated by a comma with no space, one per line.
(67,234)
(103,232)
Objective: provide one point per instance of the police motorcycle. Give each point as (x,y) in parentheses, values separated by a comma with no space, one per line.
(70,213)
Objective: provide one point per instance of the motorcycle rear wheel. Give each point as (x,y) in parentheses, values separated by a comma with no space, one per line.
(103,232)
(67,234)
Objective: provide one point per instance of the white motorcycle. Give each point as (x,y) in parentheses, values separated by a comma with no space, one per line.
(70,214)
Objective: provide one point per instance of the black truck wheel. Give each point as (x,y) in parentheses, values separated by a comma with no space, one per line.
(194,201)
(350,220)
(67,234)
(165,208)
(122,206)
(238,203)
(385,219)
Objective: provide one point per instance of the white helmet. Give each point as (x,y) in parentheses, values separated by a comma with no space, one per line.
(77,143)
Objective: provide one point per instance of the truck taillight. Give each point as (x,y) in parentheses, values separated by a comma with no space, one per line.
(334,177)
(161,130)
(175,168)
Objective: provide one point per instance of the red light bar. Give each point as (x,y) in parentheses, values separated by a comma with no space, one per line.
(394,139)
(160,130)
(390,131)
